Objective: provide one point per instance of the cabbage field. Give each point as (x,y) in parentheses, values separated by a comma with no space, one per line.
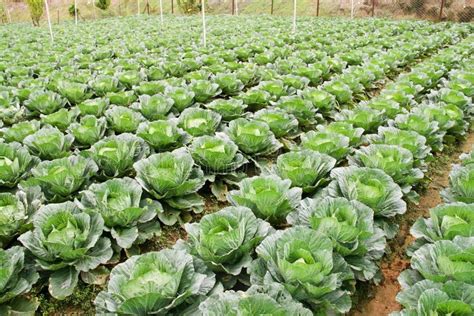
(265,173)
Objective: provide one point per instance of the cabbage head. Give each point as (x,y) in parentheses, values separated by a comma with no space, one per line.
(65,241)
(165,282)
(269,197)
(15,163)
(305,263)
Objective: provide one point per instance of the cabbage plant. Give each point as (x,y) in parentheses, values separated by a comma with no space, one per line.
(364,117)
(333,144)
(350,226)
(445,222)
(204,90)
(444,260)
(182,97)
(15,163)
(60,178)
(225,241)
(123,120)
(19,131)
(60,119)
(461,185)
(303,110)
(394,160)
(269,197)
(257,300)
(372,187)
(66,241)
(228,83)
(164,282)
(216,154)
(126,217)
(44,102)
(89,130)
(16,211)
(305,263)
(229,109)
(426,297)
(253,137)
(16,279)
(306,169)
(49,143)
(163,135)
(198,122)
(74,92)
(173,178)
(407,139)
(95,107)
(344,128)
(115,155)
(281,123)
(153,107)
(322,100)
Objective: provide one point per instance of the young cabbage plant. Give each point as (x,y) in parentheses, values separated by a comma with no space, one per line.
(173,178)
(15,164)
(16,279)
(16,211)
(66,241)
(228,83)
(44,102)
(425,297)
(308,267)
(372,187)
(119,202)
(165,282)
(122,98)
(163,135)
(445,222)
(363,117)
(281,123)
(204,90)
(199,122)
(123,120)
(407,139)
(216,154)
(225,241)
(329,143)
(394,160)
(49,143)
(74,92)
(181,96)
(306,169)
(154,107)
(61,119)
(95,107)
(19,131)
(323,101)
(253,137)
(256,99)
(344,128)
(350,226)
(271,299)
(115,155)
(104,84)
(303,110)
(461,185)
(269,197)
(229,109)
(59,179)
(444,260)
(89,131)
(422,125)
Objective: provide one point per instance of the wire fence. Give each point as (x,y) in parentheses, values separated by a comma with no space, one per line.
(437,10)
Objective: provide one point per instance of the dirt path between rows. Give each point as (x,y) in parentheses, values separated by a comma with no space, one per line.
(379,300)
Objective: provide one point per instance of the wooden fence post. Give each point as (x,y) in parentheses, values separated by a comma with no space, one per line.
(317,7)
(172,6)
(373,8)
(271,9)
(441,10)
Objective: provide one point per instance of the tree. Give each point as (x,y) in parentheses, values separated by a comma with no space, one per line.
(102,4)
(190,6)
(36,10)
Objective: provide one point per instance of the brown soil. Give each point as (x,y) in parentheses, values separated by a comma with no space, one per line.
(379,300)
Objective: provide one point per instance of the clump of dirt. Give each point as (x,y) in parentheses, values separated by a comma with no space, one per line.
(379,300)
